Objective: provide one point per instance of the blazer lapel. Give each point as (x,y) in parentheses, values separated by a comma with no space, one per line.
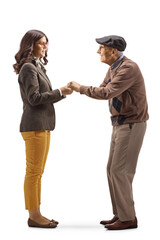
(45,76)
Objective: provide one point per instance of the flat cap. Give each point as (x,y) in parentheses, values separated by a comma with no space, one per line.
(113,41)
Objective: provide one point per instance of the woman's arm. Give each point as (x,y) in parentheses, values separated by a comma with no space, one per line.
(29,80)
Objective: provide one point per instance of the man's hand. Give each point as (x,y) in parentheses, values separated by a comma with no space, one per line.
(66,90)
(74,86)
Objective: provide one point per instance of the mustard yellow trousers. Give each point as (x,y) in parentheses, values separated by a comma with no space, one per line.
(37,147)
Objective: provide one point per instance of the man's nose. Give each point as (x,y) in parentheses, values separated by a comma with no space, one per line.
(99,51)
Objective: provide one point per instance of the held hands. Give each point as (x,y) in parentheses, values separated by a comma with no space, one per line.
(66,90)
(74,86)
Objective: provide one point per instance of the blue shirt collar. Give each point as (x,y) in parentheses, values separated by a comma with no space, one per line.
(115,64)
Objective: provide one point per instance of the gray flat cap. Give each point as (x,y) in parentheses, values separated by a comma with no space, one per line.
(113,41)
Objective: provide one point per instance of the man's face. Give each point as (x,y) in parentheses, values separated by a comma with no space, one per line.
(106,53)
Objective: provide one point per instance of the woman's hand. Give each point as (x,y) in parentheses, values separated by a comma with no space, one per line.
(74,86)
(66,90)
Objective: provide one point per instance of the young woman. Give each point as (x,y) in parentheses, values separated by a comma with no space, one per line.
(38,118)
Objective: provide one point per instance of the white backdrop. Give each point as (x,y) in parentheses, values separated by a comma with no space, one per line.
(74,186)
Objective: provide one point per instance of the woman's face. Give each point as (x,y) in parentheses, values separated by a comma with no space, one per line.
(40,48)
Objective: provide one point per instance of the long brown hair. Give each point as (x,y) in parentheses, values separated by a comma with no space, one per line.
(25,53)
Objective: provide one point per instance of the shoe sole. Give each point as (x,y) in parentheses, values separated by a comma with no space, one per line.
(42,226)
(131,227)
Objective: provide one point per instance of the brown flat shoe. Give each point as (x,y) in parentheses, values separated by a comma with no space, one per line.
(32,223)
(118,225)
(114,219)
(54,221)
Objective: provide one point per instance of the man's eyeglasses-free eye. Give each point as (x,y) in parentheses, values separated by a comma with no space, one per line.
(100,47)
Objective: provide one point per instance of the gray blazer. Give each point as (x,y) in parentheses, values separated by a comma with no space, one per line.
(38,98)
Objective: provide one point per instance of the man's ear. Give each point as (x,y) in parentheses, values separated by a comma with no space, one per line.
(114,51)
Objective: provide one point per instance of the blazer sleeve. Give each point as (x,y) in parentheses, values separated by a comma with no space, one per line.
(29,80)
(123,80)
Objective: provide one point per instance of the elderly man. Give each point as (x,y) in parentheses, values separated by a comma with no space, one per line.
(124,87)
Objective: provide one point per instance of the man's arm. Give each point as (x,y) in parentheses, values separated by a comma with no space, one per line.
(123,80)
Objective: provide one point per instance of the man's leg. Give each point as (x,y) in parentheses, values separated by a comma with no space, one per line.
(128,142)
(112,146)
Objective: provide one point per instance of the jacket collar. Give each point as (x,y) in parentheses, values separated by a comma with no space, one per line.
(114,70)
(41,70)
(116,63)
(43,73)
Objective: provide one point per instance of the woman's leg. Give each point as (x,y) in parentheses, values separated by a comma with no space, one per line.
(47,141)
(36,146)
(47,135)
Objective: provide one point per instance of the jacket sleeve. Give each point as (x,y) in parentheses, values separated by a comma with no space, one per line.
(123,80)
(29,80)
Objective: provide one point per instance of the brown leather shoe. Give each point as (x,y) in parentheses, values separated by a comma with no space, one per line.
(118,225)
(32,223)
(114,219)
(54,221)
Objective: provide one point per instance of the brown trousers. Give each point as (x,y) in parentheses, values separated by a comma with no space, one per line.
(125,146)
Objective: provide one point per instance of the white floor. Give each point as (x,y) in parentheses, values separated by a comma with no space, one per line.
(68,230)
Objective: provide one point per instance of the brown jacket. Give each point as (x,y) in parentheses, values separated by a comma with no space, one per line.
(124,87)
(38,98)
